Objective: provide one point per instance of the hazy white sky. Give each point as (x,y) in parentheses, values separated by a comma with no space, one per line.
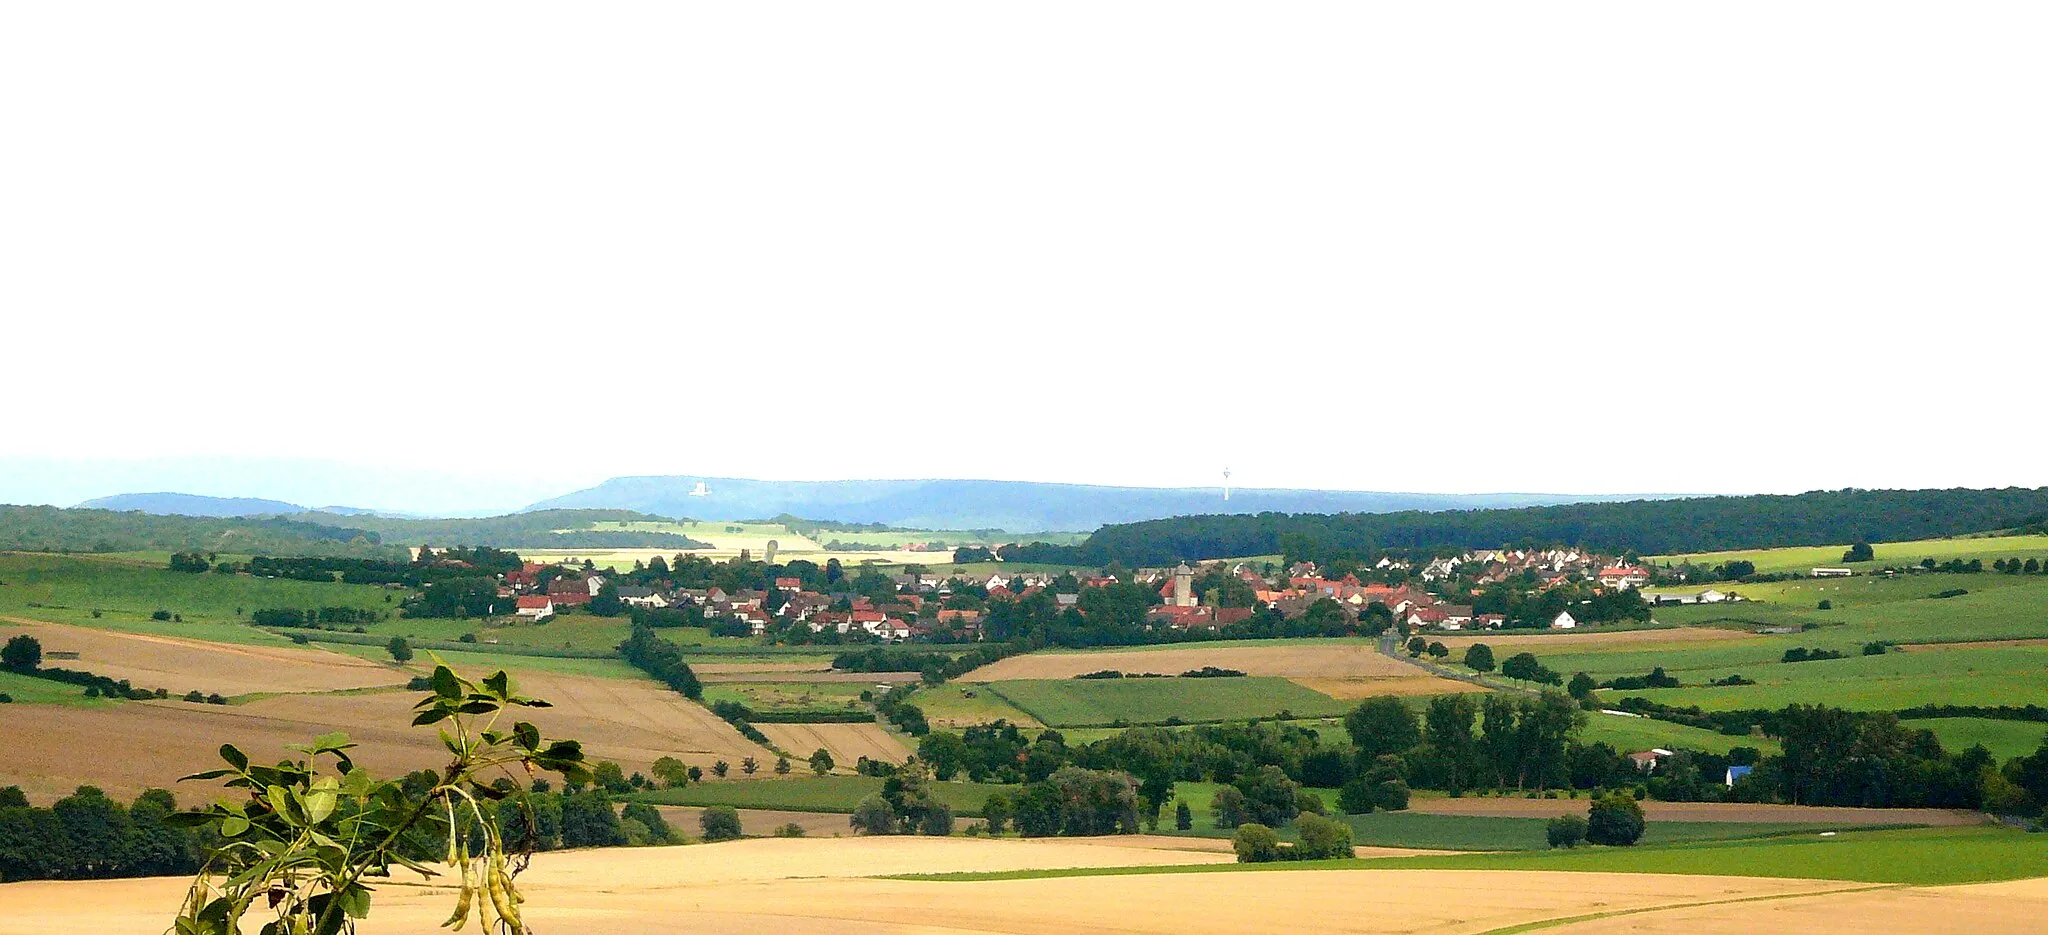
(1430,247)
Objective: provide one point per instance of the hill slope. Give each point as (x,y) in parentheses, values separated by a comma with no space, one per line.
(1018,506)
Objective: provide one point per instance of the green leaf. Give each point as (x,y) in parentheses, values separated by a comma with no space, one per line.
(429,717)
(498,684)
(446,684)
(280,800)
(207,774)
(319,805)
(527,735)
(233,826)
(234,757)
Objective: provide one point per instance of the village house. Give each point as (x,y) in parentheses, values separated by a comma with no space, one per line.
(535,606)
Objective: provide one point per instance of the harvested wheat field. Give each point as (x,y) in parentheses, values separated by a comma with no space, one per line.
(756,668)
(1702,811)
(807,886)
(181,665)
(55,748)
(846,742)
(1593,640)
(1325,661)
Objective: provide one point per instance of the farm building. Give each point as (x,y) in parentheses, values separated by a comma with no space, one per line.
(536,606)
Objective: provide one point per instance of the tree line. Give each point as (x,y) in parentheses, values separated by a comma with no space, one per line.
(1693,524)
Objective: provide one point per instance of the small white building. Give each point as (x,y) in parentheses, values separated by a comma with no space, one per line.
(1833,572)
(535,606)
(1564,621)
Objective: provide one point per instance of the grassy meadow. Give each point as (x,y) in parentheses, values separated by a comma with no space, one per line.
(126,592)
(1894,554)
(1105,702)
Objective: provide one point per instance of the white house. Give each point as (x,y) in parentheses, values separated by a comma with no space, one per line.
(535,606)
(1564,621)
(1832,572)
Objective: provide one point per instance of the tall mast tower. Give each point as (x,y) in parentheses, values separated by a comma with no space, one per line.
(1226,485)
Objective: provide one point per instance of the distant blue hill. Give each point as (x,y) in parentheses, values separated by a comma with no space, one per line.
(1016,506)
(192,504)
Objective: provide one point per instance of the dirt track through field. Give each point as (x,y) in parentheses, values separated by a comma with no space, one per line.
(1701,811)
(811,886)
(846,742)
(180,665)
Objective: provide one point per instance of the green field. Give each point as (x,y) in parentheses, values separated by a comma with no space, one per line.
(1991,676)
(485,661)
(1915,856)
(814,793)
(1923,856)
(1631,734)
(2005,739)
(963,703)
(1896,554)
(576,632)
(29,690)
(69,588)
(1105,702)
(790,696)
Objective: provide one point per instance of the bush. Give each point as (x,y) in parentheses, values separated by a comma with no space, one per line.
(1479,657)
(1566,831)
(23,653)
(1321,838)
(791,830)
(160,615)
(1255,844)
(1183,817)
(720,823)
(1614,820)
(873,816)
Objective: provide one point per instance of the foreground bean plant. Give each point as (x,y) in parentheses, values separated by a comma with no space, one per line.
(300,843)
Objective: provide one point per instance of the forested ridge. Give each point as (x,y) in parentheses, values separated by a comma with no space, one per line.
(1648,527)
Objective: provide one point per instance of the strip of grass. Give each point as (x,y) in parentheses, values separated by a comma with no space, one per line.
(1919,857)
(1106,702)
(25,689)
(2005,739)
(815,794)
(1629,734)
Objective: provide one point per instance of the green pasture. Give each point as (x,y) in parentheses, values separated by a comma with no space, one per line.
(965,703)
(484,661)
(1920,856)
(1769,561)
(1630,734)
(1105,702)
(1877,683)
(30,690)
(573,632)
(789,696)
(1912,856)
(2005,739)
(69,588)
(813,793)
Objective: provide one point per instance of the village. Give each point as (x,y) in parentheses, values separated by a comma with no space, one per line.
(1444,593)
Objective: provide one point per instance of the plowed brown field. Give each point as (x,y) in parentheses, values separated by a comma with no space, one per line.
(182,665)
(135,745)
(846,742)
